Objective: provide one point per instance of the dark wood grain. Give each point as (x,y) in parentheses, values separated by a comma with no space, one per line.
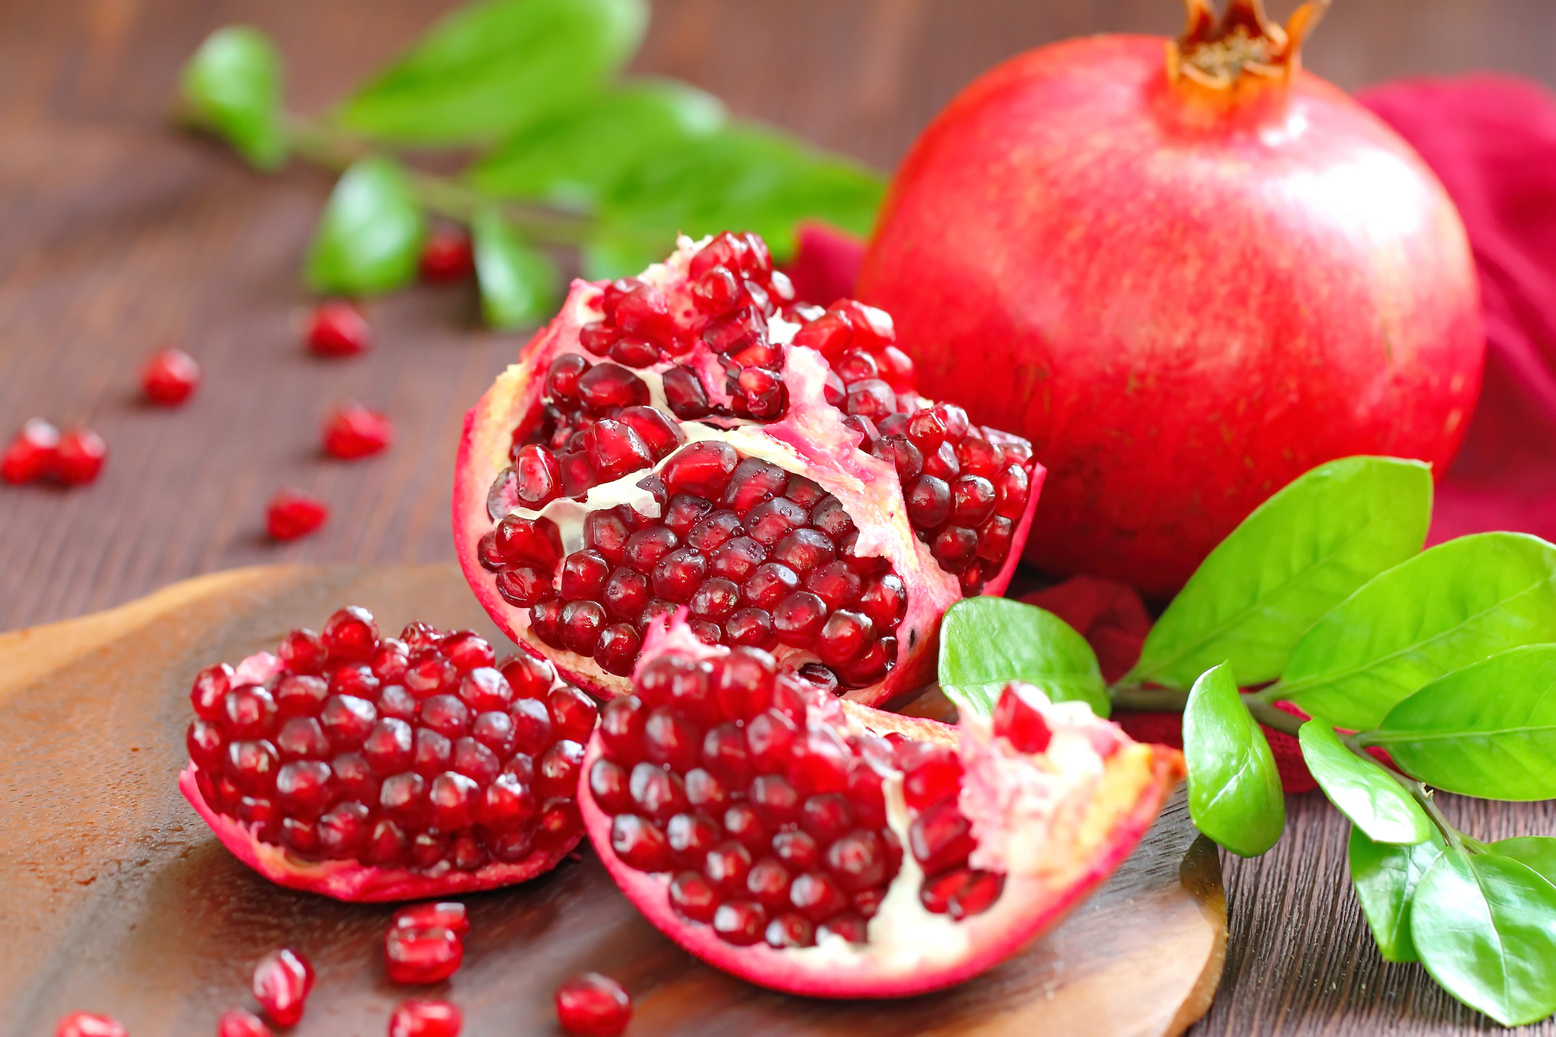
(120,235)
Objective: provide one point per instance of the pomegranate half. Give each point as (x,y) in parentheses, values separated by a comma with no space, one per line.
(693,437)
(822,847)
(1188,272)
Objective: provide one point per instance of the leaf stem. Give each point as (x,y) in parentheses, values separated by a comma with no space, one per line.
(1270,717)
(1135,698)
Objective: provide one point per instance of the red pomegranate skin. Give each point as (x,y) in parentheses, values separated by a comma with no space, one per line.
(1182,303)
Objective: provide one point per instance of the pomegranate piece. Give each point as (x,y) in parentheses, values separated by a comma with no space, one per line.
(370,767)
(336,328)
(240,1022)
(695,439)
(293,513)
(31,453)
(79,457)
(747,816)
(353,431)
(447,256)
(170,377)
(593,1004)
(282,980)
(89,1024)
(422,955)
(426,1019)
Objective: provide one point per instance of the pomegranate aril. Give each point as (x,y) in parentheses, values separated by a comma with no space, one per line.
(563,376)
(607,385)
(170,377)
(614,449)
(770,521)
(638,843)
(593,1004)
(858,860)
(884,599)
(768,585)
(954,548)
(798,619)
(656,429)
(692,896)
(530,542)
(870,398)
(826,817)
(817,896)
(89,1024)
(684,394)
(292,514)
(352,431)
(1018,718)
(1013,486)
(647,547)
(75,460)
(740,922)
(701,469)
(704,791)
(929,503)
(738,559)
(844,637)
(849,926)
(282,980)
(940,838)
(790,930)
(691,836)
(422,955)
(336,328)
(425,1019)
(240,1022)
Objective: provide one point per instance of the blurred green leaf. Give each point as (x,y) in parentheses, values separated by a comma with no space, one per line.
(518,282)
(232,85)
(985,643)
(1361,789)
(1235,793)
(369,238)
(490,68)
(1385,877)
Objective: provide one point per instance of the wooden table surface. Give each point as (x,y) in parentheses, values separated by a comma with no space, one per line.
(120,236)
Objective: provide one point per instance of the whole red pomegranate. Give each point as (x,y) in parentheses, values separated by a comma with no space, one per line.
(1187,272)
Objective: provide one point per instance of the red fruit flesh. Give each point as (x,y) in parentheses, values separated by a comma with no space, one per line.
(1185,293)
(684,439)
(447,256)
(240,1022)
(292,514)
(426,1019)
(89,1024)
(31,453)
(282,980)
(79,457)
(170,377)
(336,328)
(378,768)
(593,1004)
(826,848)
(352,431)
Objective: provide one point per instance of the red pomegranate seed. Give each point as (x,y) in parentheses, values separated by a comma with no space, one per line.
(447,256)
(1017,718)
(292,514)
(426,1019)
(31,453)
(352,431)
(240,1022)
(336,328)
(593,1004)
(422,955)
(79,457)
(282,980)
(170,377)
(89,1024)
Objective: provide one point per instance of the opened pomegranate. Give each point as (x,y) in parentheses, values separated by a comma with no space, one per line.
(822,847)
(1186,281)
(690,438)
(380,768)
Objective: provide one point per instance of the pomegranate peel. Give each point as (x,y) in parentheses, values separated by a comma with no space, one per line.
(1051,857)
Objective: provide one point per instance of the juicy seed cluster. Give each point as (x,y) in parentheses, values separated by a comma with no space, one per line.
(396,752)
(767,811)
(759,556)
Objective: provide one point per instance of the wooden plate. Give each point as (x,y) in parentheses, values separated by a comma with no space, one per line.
(117,899)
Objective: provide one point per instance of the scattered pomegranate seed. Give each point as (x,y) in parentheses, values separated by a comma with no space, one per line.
(352,431)
(1018,719)
(448,914)
(282,980)
(447,256)
(169,377)
(593,1004)
(79,458)
(338,329)
(292,514)
(240,1022)
(428,955)
(87,1024)
(30,455)
(426,1019)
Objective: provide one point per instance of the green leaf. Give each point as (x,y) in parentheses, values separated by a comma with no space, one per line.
(1439,612)
(232,85)
(1488,730)
(1385,877)
(1298,555)
(1234,789)
(1361,789)
(518,282)
(369,238)
(1484,926)
(985,643)
(573,156)
(492,67)
(1537,852)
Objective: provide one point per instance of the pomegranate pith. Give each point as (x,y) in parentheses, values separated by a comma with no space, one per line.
(293,513)
(693,437)
(89,1024)
(426,1019)
(170,377)
(823,847)
(336,328)
(379,768)
(593,1004)
(31,453)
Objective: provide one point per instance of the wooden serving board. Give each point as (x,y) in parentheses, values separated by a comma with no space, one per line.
(115,898)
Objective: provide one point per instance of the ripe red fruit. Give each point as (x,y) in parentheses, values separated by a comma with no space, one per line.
(79,457)
(240,1022)
(88,1024)
(790,488)
(31,453)
(337,328)
(426,1019)
(282,980)
(292,514)
(593,1004)
(447,256)
(1192,287)
(352,431)
(170,377)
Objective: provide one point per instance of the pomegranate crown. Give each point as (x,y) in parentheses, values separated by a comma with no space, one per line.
(1243,42)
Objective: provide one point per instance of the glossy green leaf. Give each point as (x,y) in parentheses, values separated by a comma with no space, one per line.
(1487,730)
(985,643)
(519,283)
(369,238)
(1537,852)
(1235,793)
(571,157)
(232,85)
(1298,555)
(1484,926)
(492,67)
(1361,789)
(1446,608)
(1385,877)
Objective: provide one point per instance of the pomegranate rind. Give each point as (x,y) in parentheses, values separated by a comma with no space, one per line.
(353,881)
(1136,783)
